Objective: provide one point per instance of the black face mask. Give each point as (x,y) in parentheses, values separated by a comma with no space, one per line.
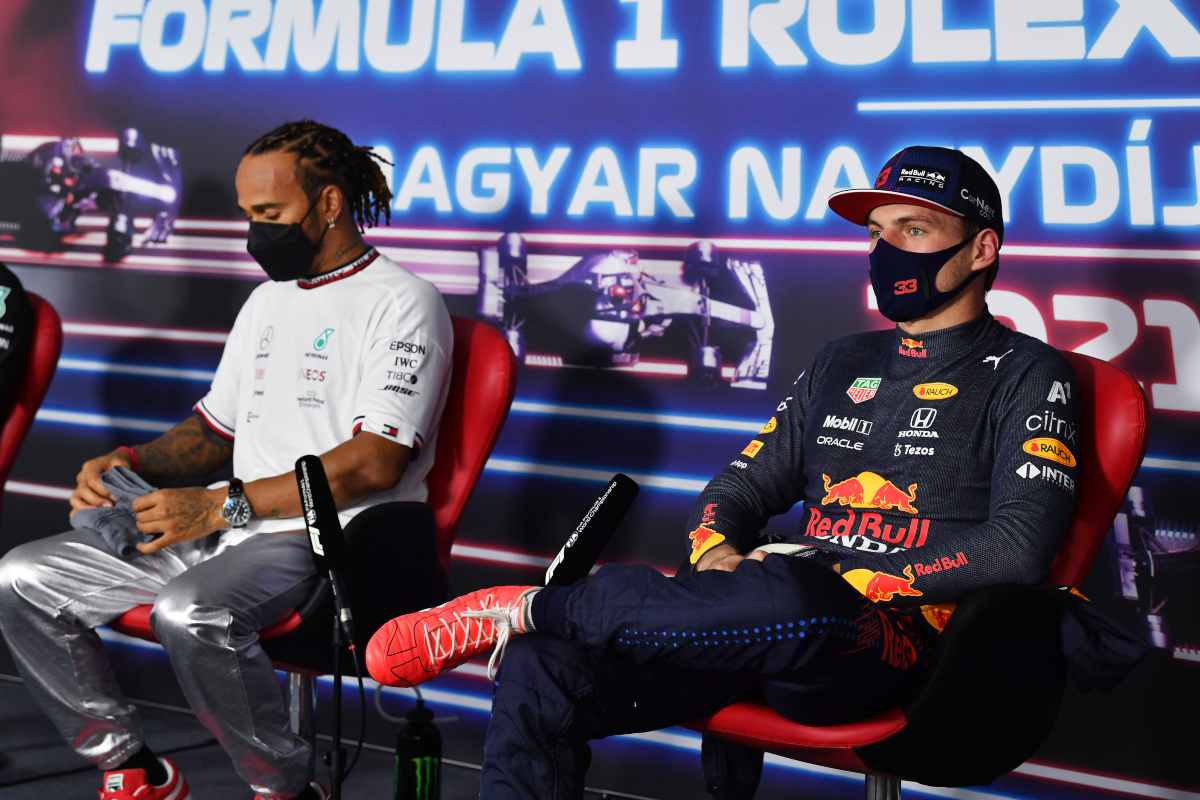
(905,283)
(282,250)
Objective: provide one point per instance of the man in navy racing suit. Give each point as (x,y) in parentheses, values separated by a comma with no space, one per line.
(933,458)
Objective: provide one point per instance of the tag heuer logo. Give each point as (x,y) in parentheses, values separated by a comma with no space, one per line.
(863,389)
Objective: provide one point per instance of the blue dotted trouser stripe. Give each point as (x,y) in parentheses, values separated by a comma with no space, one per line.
(811,627)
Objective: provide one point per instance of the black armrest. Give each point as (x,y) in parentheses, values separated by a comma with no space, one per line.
(992,695)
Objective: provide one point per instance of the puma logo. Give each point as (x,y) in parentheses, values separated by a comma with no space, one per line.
(996,359)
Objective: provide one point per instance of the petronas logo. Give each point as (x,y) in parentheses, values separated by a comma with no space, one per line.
(322,340)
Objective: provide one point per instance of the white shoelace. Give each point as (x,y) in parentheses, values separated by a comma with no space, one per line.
(443,641)
(502,624)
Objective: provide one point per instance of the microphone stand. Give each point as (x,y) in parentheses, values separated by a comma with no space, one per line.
(335,759)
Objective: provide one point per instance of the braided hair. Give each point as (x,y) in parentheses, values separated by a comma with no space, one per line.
(326,155)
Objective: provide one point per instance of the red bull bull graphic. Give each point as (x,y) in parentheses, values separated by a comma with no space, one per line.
(883,494)
(863,389)
(935,391)
(881,587)
(912,348)
(847,493)
(705,537)
(1049,449)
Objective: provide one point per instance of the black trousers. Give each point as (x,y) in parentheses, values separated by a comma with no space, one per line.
(629,649)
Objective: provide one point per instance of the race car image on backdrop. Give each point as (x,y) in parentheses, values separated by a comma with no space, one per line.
(51,182)
(608,308)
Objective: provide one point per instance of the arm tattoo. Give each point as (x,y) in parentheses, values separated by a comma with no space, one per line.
(187,451)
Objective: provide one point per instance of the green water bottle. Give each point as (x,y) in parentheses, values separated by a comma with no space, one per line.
(418,765)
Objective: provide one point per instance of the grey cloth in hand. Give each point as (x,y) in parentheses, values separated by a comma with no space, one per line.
(117,525)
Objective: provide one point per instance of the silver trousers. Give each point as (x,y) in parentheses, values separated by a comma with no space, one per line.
(209,604)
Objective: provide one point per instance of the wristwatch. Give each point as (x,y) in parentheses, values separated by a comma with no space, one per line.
(236,510)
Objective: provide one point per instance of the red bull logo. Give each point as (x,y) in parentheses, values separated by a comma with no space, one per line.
(882,587)
(882,493)
(943,564)
(855,530)
(912,348)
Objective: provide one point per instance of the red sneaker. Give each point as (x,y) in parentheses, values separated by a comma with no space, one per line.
(131,784)
(414,648)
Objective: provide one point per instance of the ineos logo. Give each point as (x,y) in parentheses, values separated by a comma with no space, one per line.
(923,418)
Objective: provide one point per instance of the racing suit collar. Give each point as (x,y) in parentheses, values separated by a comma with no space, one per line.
(943,343)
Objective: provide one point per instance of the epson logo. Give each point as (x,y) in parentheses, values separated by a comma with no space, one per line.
(985,210)
(852,424)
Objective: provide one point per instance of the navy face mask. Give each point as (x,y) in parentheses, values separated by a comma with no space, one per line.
(282,250)
(906,283)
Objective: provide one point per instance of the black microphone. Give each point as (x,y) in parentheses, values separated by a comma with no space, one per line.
(577,557)
(324,533)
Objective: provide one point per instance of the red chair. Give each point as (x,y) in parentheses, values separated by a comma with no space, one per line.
(40,367)
(481,392)
(994,692)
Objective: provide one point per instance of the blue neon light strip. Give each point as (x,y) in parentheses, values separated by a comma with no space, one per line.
(1032,105)
(688,484)
(658,419)
(527,407)
(100,366)
(504,464)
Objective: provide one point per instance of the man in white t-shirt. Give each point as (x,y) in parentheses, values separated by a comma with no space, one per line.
(344,354)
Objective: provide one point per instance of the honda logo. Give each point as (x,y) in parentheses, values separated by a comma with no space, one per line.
(923,418)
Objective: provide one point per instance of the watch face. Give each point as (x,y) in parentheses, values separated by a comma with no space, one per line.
(236,511)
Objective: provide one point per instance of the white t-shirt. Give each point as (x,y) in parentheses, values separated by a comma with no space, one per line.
(309,363)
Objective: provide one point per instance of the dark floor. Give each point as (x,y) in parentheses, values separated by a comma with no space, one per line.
(36,765)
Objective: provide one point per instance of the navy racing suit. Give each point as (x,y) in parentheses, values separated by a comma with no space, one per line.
(928,465)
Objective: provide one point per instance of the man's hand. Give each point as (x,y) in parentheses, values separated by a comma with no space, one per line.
(725,558)
(89,491)
(179,515)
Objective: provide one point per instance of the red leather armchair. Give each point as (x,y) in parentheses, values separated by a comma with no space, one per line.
(39,371)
